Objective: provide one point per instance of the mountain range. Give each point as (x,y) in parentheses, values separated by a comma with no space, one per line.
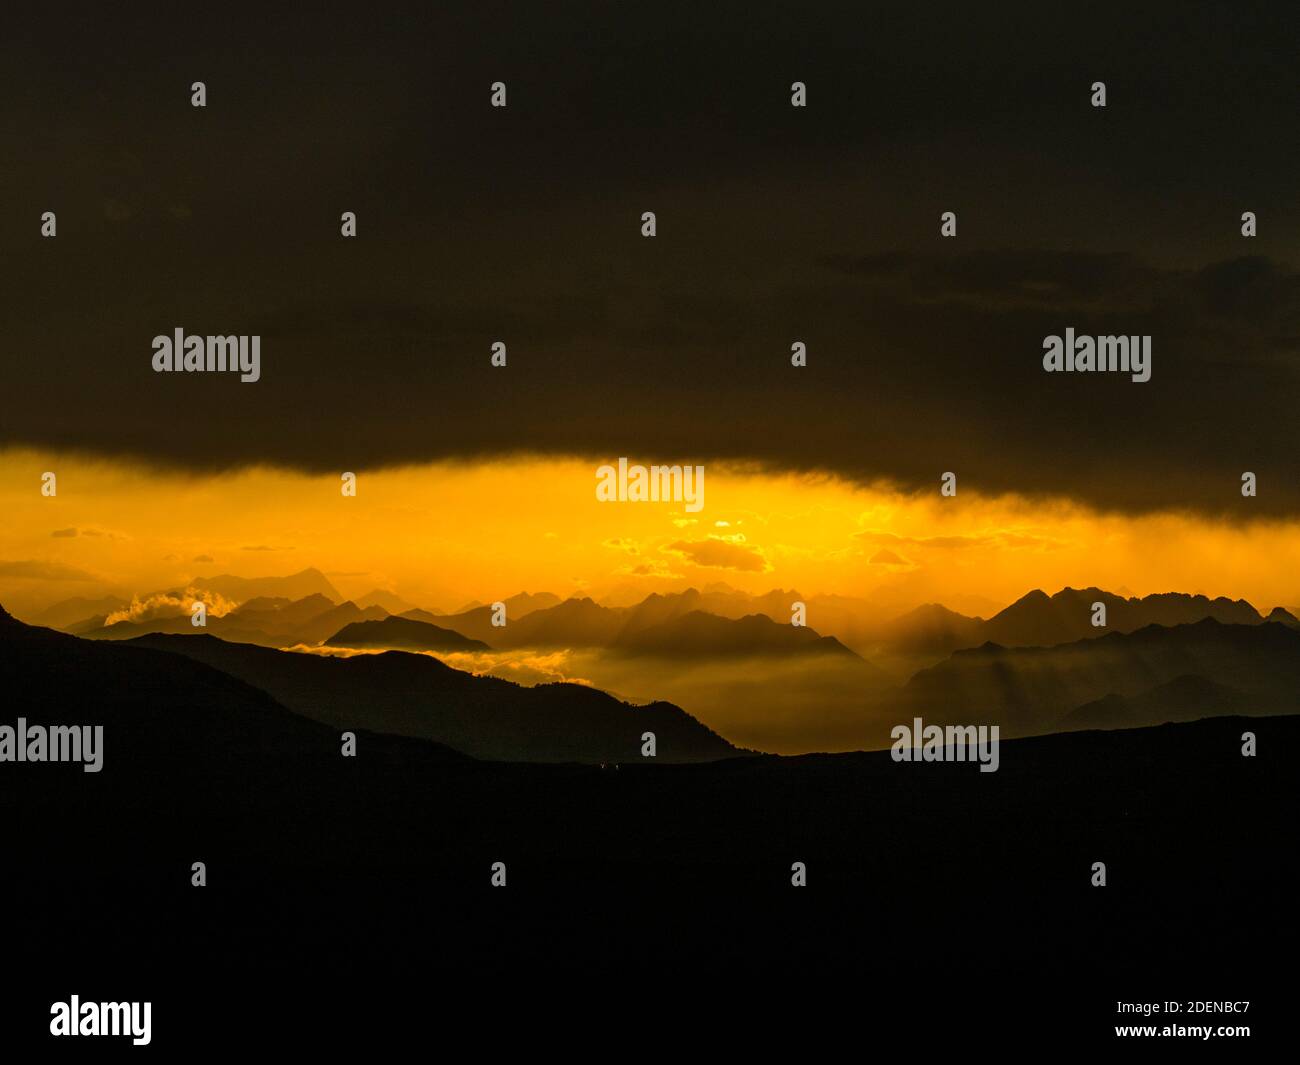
(1039,665)
(392,693)
(1156,674)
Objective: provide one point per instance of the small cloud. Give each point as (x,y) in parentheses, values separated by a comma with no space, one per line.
(36,569)
(655,568)
(64,532)
(995,538)
(722,554)
(204,558)
(619,543)
(263,547)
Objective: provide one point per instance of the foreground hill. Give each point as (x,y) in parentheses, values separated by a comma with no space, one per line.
(165,689)
(416,695)
(168,719)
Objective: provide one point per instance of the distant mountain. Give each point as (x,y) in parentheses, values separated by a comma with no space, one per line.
(403,634)
(1039,620)
(295,586)
(701,635)
(663,625)
(475,621)
(86,626)
(719,600)
(78,609)
(517,606)
(416,614)
(933,629)
(1031,689)
(394,604)
(274,603)
(572,623)
(417,695)
(282,616)
(305,621)
(322,626)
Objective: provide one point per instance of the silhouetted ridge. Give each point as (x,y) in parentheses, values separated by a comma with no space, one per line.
(403,634)
(417,695)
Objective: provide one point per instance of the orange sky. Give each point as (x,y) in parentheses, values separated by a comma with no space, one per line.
(443,534)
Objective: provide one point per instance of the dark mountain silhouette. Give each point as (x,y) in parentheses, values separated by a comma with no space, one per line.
(416,695)
(661,625)
(272,603)
(1185,698)
(1031,689)
(201,766)
(403,634)
(282,616)
(321,626)
(165,716)
(572,623)
(1039,620)
(475,619)
(1283,617)
(701,635)
(719,600)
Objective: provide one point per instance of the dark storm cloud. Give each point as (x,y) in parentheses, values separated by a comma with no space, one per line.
(775,225)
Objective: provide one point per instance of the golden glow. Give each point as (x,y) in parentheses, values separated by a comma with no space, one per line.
(441,534)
